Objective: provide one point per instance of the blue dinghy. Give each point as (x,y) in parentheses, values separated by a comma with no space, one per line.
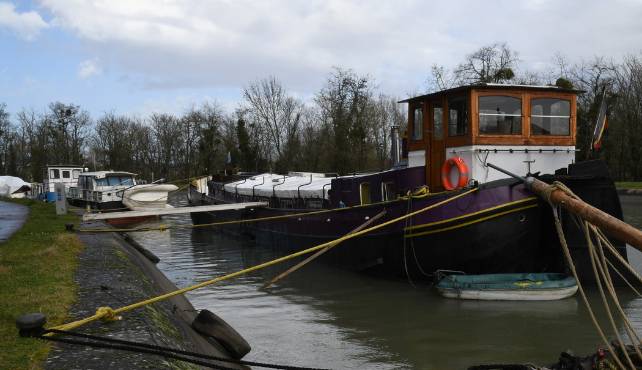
(508,287)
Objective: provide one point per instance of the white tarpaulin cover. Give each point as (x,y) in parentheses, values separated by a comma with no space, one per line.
(310,185)
(13,187)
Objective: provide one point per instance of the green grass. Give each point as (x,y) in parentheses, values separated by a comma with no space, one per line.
(36,275)
(629,185)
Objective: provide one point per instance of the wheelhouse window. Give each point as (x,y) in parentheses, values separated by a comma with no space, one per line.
(65,174)
(550,117)
(438,121)
(75,173)
(500,115)
(457,116)
(54,174)
(417,124)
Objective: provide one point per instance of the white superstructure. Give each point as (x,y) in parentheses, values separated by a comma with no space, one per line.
(65,174)
(102,186)
(518,159)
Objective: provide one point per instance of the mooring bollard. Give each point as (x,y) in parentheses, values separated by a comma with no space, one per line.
(31,324)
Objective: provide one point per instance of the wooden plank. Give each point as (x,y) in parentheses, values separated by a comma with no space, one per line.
(171,211)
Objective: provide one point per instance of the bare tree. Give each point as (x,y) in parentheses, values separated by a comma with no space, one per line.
(440,78)
(492,63)
(5,137)
(277,114)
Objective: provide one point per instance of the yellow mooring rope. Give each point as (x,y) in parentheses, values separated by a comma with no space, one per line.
(599,264)
(107,313)
(270,218)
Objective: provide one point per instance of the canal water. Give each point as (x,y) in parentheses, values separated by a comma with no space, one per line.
(330,318)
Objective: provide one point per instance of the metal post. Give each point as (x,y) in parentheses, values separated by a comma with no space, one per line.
(61,199)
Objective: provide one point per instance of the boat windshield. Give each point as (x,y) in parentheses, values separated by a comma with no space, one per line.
(115,181)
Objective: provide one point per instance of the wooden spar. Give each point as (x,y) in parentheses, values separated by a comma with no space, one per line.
(320,252)
(609,224)
(172,211)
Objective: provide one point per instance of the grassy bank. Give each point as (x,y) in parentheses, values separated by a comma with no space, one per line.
(629,185)
(36,275)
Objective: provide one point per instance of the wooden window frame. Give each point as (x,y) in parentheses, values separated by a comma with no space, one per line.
(530,115)
(525,138)
(461,140)
(519,96)
(421,144)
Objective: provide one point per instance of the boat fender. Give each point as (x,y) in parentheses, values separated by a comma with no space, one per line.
(210,325)
(462,168)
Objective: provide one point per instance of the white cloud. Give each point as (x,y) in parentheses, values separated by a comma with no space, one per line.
(89,68)
(224,44)
(26,25)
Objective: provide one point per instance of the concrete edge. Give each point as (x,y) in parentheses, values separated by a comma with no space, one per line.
(184,312)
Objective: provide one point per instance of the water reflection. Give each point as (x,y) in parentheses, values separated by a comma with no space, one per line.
(325,317)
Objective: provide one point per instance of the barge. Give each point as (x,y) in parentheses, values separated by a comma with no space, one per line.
(500,228)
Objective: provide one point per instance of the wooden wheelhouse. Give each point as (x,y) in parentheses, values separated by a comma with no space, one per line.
(523,128)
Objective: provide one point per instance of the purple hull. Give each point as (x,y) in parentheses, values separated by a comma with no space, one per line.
(471,233)
(502,227)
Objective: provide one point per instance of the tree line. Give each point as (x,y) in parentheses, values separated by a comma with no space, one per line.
(345,128)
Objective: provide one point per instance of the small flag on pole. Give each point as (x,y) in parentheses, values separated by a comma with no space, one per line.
(601,124)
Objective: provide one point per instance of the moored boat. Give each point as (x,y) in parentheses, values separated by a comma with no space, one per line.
(147,196)
(508,287)
(502,227)
(60,174)
(117,190)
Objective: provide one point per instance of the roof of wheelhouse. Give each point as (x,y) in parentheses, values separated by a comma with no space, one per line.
(103,174)
(492,86)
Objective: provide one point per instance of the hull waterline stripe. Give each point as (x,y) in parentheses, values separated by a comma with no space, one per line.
(470,222)
(422,226)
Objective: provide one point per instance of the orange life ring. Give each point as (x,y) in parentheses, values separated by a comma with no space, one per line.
(461,168)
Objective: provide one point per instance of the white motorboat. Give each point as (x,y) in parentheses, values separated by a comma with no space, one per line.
(148,196)
(115,190)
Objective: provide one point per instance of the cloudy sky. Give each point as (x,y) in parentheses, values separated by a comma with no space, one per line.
(162,55)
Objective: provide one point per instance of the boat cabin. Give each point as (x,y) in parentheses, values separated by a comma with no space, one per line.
(524,129)
(65,174)
(103,186)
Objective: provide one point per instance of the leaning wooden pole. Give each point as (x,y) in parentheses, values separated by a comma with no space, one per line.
(320,252)
(609,224)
